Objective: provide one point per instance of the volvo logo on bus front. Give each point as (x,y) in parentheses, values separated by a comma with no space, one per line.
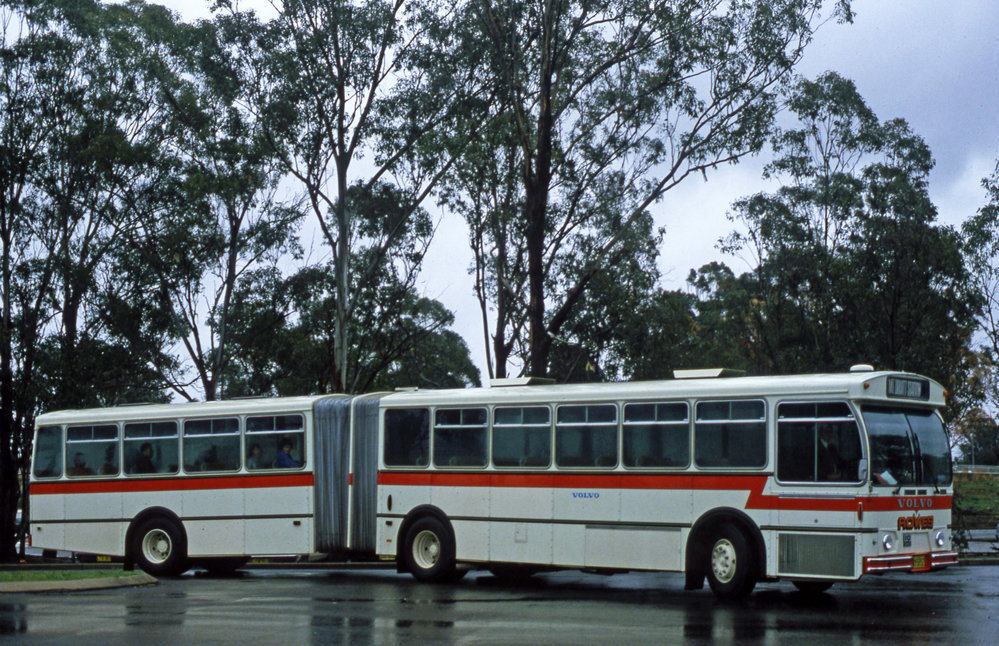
(915,503)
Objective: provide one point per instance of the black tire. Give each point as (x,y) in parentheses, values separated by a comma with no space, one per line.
(812,587)
(428,551)
(160,547)
(731,566)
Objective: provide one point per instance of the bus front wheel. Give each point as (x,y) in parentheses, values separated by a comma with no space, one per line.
(159,547)
(731,569)
(428,551)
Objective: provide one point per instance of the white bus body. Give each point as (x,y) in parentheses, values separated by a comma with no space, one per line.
(813,478)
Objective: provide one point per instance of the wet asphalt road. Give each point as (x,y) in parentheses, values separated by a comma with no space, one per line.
(956,606)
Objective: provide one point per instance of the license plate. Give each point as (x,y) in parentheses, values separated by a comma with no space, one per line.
(919,562)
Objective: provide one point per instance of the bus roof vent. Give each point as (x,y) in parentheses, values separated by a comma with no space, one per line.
(708,373)
(862,367)
(520,381)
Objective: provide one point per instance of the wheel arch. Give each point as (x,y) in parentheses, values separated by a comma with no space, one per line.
(697,547)
(414,515)
(142,517)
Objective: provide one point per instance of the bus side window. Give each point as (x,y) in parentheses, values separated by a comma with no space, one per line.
(460,438)
(407,437)
(267,439)
(151,447)
(656,435)
(817,442)
(211,445)
(586,436)
(730,434)
(522,437)
(48,452)
(92,450)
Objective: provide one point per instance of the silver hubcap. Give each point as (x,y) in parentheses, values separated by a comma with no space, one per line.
(157,546)
(723,560)
(426,549)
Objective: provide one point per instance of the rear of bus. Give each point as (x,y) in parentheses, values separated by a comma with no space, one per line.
(907,515)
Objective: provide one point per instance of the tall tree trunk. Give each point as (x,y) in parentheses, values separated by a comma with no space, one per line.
(8,471)
(537,210)
(342,270)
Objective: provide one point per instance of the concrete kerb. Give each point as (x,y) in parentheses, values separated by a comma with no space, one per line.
(78,585)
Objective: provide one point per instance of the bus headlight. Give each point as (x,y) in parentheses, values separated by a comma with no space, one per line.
(941,539)
(888,542)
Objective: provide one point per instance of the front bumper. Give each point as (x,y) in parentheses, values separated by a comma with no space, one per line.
(909,562)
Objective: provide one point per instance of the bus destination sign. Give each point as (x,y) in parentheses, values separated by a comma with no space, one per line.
(908,388)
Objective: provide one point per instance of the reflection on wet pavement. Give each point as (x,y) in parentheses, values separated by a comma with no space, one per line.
(957,606)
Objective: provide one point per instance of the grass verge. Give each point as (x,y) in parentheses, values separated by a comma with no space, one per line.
(976,500)
(20,576)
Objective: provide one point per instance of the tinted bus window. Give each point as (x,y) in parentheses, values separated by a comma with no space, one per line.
(407,437)
(907,447)
(275,442)
(151,447)
(522,437)
(730,434)
(586,436)
(656,435)
(48,452)
(92,450)
(460,438)
(211,445)
(817,442)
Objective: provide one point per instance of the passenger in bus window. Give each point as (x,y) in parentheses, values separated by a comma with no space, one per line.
(830,464)
(110,465)
(209,460)
(79,467)
(284,459)
(144,463)
(255,460)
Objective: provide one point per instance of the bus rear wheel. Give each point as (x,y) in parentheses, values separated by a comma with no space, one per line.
(731,569)
(428,551)
(159,547)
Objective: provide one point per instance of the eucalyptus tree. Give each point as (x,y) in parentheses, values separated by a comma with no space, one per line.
(981,249)
(285,327)
(611,102)
(219,212)
(80,131)
(342,80)
(99,167)
(850,263)
(25,64)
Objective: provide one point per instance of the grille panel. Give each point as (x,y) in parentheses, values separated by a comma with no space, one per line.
(816,555)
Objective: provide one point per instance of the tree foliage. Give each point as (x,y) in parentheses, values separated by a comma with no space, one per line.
(850,264)
(143,203)
(338,80)
(601,107)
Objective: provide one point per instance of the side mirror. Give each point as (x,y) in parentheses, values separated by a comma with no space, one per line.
(862,470)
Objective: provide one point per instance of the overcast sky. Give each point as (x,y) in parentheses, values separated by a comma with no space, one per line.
(934,64)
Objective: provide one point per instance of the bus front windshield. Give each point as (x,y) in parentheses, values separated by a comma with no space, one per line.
(908,447)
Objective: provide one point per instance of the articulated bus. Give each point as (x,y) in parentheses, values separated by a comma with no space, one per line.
(734,480)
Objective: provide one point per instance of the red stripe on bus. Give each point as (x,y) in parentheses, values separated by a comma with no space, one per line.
(752,484)
(172,484)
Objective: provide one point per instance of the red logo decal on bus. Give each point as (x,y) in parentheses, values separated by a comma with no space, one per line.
(915,522)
